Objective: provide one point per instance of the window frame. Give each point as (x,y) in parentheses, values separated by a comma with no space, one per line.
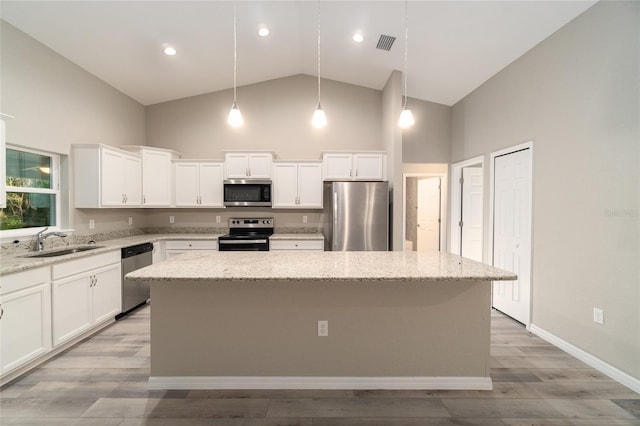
(54,190)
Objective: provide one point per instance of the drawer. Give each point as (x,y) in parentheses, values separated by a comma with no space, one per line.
(88,263)
(24,279)
(296,245)
(191,245)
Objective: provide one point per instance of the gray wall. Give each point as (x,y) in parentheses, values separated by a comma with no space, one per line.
(576,95)
(57,103)
(277,115)
(429,140)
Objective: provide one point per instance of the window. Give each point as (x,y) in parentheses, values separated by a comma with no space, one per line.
(32,189)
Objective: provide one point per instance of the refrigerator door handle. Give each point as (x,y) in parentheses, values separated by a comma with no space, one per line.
(335,220)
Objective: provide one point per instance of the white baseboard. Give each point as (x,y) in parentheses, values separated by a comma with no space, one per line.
(618,375)
(292,382)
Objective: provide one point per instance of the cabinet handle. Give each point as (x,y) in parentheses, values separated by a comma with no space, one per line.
(1,311)
(95,280)
(144,199)
(122,198)
(247,172)
(356,172)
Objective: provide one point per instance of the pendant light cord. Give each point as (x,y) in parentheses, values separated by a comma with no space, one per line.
(318,52)
(406,42)
(235,52)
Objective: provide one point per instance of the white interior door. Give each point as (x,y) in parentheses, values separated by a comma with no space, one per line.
(512,232)
(471,229)
(428,214)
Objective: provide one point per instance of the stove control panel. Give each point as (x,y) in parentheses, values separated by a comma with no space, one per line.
(262,222)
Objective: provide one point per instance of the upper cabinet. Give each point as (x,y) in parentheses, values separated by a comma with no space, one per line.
(105,177)
(355,165)
(157,175)
(198,183)
(3,166)
(297,185)
(247,165)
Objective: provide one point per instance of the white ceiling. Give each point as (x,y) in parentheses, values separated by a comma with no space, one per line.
(454,46)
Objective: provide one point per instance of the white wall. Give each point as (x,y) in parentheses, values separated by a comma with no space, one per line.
(57,103)
(577,96)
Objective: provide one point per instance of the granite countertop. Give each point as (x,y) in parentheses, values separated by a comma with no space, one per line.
(319,266)
(16,262)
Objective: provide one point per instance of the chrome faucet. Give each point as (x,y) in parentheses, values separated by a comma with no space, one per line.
(40,236)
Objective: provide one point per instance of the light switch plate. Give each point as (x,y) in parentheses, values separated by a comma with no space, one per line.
(598,316)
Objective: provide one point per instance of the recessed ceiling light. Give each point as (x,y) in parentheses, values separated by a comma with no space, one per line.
(169,51)
(263,31)
(358,37)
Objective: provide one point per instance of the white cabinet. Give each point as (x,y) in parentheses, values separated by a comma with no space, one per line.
(105,177)
(296,244)
(243,165)
(297,185)
(198,184)
(25,317)
(3,165)
(85,293)
(158,252)
(176,247)
(355,166)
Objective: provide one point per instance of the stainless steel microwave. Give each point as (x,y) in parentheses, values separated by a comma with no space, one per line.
(247,192)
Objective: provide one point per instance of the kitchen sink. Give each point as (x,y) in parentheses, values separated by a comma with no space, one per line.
(64,251)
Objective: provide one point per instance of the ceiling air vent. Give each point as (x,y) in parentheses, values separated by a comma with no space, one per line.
(385,42)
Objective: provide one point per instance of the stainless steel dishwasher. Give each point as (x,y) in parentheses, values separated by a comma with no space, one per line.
(135,293)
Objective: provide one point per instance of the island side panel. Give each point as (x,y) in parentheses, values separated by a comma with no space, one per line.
(376,329)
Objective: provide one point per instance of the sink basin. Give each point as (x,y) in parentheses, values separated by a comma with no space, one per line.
(64,251)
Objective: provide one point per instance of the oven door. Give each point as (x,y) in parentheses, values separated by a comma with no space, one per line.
(256,244)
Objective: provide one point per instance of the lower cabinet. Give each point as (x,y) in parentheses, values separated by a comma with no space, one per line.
(301,244)
(85,293)
(176,247)
(25,317)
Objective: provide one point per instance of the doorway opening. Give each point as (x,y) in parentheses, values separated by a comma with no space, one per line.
(424,211)
(467,209)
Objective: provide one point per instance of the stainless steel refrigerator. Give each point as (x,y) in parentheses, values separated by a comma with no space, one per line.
(356,216)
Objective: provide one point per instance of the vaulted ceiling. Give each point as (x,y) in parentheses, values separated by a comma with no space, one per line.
(453,46)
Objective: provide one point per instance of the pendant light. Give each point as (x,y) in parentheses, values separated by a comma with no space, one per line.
(319,120)
(235,117)
(406,117)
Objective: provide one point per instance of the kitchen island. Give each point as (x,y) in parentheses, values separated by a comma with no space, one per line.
(248,320)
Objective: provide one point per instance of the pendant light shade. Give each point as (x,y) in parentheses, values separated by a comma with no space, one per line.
(319,119)
(235,117)
(406,117)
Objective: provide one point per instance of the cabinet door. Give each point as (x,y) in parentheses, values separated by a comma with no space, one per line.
(337,166)
(310,185)
(260,165)
(285,185)
(132,181)
(236,165)
(156,178)
(106,293)
(210,179)
(111,178)
(25,326)
(369,166)
(186,184)
(71,307)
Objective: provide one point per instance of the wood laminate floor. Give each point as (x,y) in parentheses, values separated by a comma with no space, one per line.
(103,381)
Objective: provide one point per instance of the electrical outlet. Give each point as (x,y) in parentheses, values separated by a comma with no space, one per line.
(323,328)
(217,219)
(304,219)
(130,220)
(92,224)
(598,316)
(172,219)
